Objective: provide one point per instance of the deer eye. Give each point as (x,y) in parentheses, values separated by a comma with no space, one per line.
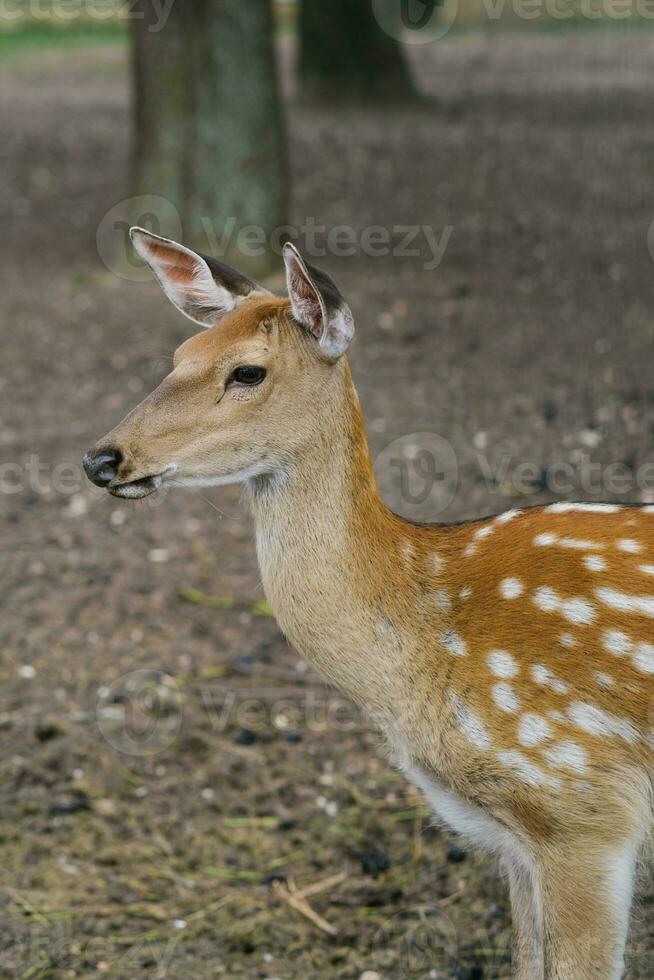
(248,375)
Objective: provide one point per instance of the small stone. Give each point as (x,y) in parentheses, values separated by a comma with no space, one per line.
(370,975)
(47,730)
(245,737)
(77,506)
(374,861)
(158,555)
(105,807)
(27,672)
(590,438)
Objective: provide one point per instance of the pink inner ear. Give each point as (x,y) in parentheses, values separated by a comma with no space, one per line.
(180,268)
(181,274)
(306,302)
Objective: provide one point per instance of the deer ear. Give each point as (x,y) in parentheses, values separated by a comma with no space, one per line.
(204,289)
(318,305)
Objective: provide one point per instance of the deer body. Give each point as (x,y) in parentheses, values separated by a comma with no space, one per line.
(509,662)
(497,697)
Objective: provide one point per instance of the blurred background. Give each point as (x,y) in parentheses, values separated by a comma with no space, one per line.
(181,795)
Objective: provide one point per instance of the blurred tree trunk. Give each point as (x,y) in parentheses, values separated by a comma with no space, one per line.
(346,56)
(208,129)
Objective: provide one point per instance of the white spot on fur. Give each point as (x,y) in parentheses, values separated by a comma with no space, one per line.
(471,725)
(557,716)
(511,588)
(616,642)
(546,599)
(442,599)
(568,640)
(505,698)
(567,755)
(544,676)
(564,508)
(526,770)
(483,532)
(604,680)
(470,550)
(579,544)
(541,674)
(502,663)
(436,563)
(646,569)
(465,593)
(626,603)
(594,563)
(507,516)
(577,611)
(454,643)
(407,551)
(595,721)
(629,545)
(532,729)
(643,658)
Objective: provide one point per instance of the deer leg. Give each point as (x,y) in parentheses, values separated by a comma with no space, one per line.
(586,894)
(526,914)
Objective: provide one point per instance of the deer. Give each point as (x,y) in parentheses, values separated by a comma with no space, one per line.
(508,661)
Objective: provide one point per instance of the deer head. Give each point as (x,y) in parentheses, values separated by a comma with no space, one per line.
(247,393)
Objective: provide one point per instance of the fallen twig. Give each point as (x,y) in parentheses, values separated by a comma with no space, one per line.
(300,904)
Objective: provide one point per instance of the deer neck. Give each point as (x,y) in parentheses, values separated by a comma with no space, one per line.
(333,563)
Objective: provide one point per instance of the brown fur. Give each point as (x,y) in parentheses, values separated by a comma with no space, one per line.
(377,604)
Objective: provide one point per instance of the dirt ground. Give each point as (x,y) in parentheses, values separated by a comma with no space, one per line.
(172,775)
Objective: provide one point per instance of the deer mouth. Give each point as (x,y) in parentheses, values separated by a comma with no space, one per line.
(136,489)
(143,487)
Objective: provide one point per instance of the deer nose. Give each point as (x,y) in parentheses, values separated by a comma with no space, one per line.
(101,468)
